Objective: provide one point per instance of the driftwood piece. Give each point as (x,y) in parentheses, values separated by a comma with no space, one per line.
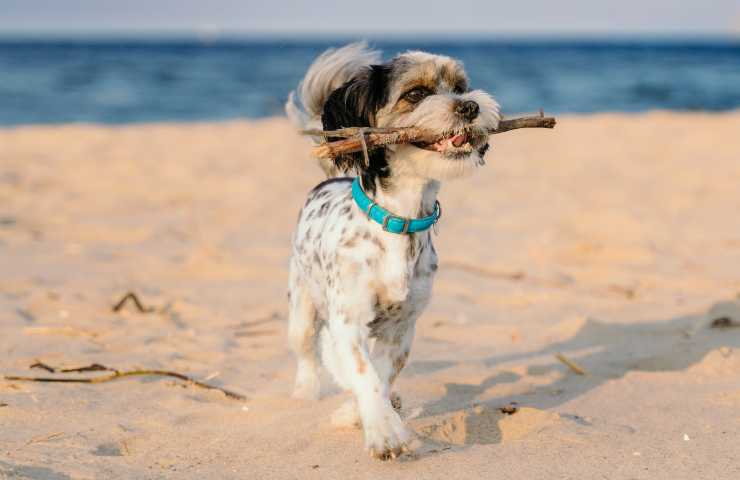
(44,438)
(375,137)
(96,367)
(724,322)
(137,303)
(571,364)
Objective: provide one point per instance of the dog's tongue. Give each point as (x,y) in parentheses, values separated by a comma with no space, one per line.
(459,140)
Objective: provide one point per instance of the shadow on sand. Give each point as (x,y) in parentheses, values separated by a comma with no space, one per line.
(612,351)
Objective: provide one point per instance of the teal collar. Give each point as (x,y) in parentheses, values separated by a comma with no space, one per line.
(390,222)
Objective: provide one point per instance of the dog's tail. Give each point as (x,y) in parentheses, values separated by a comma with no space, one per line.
(329,71)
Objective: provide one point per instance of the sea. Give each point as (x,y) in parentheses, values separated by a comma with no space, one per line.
(127,80)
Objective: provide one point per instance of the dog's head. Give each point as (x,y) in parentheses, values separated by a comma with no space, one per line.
(415,89)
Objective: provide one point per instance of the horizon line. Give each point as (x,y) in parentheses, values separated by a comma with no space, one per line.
(206,35)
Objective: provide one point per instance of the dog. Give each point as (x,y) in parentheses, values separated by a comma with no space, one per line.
(363,261)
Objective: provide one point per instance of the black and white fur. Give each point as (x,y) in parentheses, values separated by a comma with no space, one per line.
(355,290)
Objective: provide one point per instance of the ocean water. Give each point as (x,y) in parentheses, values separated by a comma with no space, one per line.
(121,81)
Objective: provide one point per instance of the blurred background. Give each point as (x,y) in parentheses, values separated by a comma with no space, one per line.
(189,60)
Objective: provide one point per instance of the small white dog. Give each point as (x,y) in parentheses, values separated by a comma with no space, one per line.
(363,261)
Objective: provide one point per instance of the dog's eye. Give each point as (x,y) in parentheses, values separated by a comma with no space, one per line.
(416,95)
(460,89)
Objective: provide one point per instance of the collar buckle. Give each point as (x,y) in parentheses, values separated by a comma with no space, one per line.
(385,221)
(406,223)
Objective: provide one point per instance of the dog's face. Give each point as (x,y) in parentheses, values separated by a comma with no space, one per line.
(431,92)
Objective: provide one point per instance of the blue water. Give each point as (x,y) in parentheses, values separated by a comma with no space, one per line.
(165,80)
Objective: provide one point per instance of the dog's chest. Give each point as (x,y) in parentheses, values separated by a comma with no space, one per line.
(406,287)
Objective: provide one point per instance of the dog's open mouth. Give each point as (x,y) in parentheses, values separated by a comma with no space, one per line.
(458,144)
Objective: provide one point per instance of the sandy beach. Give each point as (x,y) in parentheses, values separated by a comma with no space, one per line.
(613,240)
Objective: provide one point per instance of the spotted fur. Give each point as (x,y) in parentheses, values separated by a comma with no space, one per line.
(355,290)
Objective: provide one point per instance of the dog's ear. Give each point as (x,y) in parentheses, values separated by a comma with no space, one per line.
(355,104)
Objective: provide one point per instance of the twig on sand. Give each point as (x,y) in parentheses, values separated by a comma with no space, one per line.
(356,138)
(44,438)
(724,322)
(137,303)
(42,366)
(114,376)
(95,367)
(571,364)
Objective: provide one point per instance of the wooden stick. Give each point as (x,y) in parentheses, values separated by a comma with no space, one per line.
(571,364)
(137,303)
(44,438)
(375,137)
(724,322)
(95,367)
(116,375)
(43,366)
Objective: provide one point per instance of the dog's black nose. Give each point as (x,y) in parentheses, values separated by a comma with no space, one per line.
(467,110)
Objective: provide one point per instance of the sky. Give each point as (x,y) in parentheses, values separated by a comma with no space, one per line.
(399,17)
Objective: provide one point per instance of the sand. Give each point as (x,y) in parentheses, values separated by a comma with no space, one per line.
(614,240)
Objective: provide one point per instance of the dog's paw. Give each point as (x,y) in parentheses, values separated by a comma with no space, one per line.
(386,437)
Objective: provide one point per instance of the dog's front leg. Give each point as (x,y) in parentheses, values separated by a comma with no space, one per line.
(385,434)
(390,353)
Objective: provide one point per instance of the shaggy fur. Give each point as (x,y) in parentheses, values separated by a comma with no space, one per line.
(355,290)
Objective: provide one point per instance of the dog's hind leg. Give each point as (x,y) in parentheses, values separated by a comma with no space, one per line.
(302,336)
(346,415)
